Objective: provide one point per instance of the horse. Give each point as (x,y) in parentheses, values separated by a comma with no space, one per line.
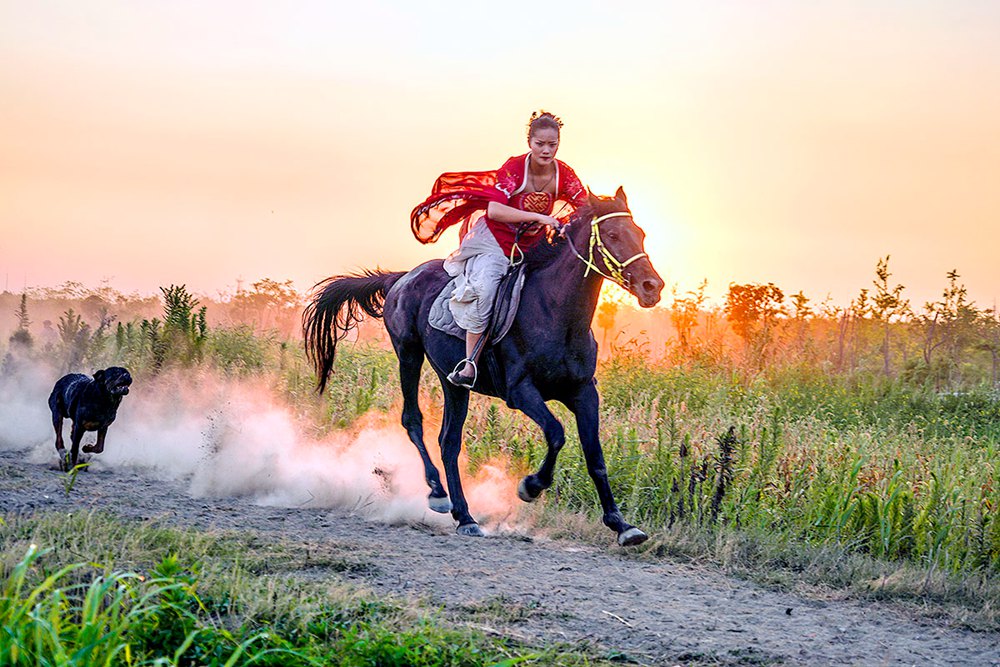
(549,352)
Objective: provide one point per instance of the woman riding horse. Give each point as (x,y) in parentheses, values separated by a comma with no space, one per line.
(548,354)
(525,191)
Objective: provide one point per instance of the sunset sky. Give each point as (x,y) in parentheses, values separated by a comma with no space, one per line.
(150,143)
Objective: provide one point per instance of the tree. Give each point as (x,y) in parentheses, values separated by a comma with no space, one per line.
(23,322)
(950,325)
(851,329)
(184,329)
(802,313)
(886,305)
(684,314)
(990,342)
(269,305)
(752,309)
(606,313)
(74,334)
(21,335)
(20,341)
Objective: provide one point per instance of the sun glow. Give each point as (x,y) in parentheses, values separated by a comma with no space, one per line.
(160,145)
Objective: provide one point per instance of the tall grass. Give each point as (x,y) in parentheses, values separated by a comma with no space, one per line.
(118,618)
(826,452)
(877,466)
(880,469)
(230,599)
(871,485)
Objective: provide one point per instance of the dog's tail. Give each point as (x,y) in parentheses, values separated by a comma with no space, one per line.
(334,310)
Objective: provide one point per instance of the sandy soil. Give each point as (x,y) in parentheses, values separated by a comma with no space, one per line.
(653,613)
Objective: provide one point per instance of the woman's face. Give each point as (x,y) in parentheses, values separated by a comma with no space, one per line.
(543,144)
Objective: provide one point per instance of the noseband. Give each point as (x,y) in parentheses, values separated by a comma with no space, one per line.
(611,262)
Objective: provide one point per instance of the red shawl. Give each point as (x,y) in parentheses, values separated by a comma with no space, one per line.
(462,197)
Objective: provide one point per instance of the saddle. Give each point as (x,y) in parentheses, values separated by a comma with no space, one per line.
(501,317)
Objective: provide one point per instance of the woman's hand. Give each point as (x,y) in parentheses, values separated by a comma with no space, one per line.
(548,221)
(515,216)
(553,227)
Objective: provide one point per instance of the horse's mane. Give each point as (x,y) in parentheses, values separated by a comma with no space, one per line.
(544,251)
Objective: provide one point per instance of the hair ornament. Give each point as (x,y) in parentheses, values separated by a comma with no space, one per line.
(544,119)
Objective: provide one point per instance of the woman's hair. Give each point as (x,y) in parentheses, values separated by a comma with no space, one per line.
(543,120)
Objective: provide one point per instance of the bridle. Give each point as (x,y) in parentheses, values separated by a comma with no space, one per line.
(613,265)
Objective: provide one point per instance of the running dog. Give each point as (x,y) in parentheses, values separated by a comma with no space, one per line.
(92,404)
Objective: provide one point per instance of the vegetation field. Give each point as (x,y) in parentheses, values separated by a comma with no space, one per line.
(851,449)
(155,595)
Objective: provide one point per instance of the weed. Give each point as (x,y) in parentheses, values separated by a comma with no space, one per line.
(69,477)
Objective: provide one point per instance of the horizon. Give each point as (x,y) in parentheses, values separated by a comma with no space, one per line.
(610,292)
(171,143)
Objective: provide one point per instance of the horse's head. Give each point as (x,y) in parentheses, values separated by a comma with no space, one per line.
(616,248)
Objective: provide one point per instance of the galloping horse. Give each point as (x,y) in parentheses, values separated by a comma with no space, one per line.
(548,354)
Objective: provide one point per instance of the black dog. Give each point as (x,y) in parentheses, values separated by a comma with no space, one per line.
(92,404)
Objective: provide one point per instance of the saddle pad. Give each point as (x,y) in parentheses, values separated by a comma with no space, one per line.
(504,308)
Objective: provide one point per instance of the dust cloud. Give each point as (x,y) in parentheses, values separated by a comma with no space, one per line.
(225,437)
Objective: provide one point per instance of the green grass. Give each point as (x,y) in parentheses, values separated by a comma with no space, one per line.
(816,464)
(873,470)
(872,487)
(88,589)
(846,478)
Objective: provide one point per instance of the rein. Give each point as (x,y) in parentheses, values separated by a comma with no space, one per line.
(611,262)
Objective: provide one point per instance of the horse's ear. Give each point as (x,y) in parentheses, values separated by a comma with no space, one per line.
(592,198)
(620,195)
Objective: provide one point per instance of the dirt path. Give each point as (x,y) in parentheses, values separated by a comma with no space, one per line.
(662,613)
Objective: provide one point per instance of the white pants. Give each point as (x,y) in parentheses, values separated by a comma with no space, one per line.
(477,266)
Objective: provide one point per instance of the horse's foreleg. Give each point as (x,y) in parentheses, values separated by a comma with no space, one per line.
(456,407)
(525,397)
(410,361)
(585,406)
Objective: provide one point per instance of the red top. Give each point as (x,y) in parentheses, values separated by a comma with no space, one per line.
(462,197)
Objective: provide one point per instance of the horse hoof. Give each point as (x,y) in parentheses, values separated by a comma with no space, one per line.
(631,537)
(439,505)
(470,530)
(522,491)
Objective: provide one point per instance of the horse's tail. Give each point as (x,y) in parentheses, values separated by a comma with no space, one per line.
(334,310)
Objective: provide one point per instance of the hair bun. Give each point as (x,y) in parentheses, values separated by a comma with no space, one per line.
(542,119)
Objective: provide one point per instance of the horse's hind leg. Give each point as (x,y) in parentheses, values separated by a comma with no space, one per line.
(456,407)
(525,397)
(410,362)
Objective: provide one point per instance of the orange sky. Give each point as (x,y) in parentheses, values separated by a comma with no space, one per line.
(201,143)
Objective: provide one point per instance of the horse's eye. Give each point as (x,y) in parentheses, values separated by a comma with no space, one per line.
(612,236)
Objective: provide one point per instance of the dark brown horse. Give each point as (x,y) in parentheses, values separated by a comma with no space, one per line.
(549,354)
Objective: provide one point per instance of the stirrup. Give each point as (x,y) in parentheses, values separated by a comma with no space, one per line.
(463,381)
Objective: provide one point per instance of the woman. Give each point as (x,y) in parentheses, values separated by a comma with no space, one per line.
(530,188)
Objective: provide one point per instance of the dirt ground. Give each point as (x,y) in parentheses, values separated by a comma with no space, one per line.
(650,613)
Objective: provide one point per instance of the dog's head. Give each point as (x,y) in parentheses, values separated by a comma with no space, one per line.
(116,380)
